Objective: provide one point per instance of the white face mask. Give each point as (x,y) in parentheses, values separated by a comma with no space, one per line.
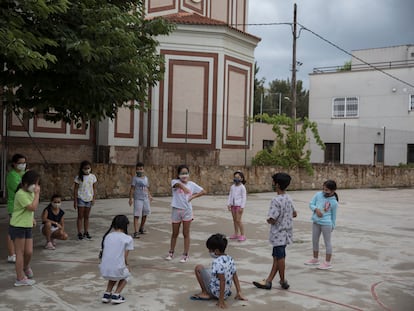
(31,188)
(213,255)
(56,205)
(184,177)
(21,167)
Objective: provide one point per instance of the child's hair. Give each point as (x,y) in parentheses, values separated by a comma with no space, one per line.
(119,222)
(82,165)
(217,241)
(16,158)
(29,178)
(331,185)
(241,175)
(282,179)
(180,168)
(139,164)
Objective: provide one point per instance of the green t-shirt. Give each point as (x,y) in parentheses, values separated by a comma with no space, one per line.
(21,216)
(13,179)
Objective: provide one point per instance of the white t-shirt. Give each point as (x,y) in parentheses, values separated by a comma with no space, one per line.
(112,265)
(85,190)
(224,264)
(179,197)
(237,196)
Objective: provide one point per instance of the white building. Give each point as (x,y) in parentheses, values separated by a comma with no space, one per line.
(365,113)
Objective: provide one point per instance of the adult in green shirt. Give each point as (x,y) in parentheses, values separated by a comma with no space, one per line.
(26,202)
(13,179)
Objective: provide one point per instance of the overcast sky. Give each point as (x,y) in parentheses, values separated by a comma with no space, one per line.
(350,24)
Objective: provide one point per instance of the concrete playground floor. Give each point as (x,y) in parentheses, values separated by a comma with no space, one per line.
(373,265)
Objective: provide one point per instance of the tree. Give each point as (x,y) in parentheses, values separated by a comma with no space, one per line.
(80,59)
(289,149)
(258,90)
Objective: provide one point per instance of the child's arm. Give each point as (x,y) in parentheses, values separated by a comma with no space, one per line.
(221,303)
(182,187)
(94,193)
(196,195)
(333,213)
(75,195)
(313,207)
(35,203)
(244,196)
(131,193)
(238,288)
(126,260)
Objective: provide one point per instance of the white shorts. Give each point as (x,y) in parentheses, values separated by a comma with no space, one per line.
(141,208)
(52,228)
(179,215)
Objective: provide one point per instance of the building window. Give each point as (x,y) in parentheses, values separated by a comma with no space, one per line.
(345,107)
(411,103)
(268,144)
(332,153)
(410,154)
(378,154)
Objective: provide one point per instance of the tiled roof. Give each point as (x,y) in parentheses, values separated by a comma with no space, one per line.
(196,19)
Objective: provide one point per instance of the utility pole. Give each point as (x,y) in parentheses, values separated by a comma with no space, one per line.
(293,95)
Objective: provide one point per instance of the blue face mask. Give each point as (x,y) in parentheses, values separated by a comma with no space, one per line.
(140,174)
(236,180)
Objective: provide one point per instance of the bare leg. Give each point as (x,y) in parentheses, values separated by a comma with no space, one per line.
(143,220)
(110,286)
(186,234)
(47,232)
(204,293)
(239,221)
(281,266)
(59,234)
(274,270)
(120,287)
(10,246)
(136,219)
(174,235)
(79,221)
(28,252)
(236,229)
(19,245)
(86,213)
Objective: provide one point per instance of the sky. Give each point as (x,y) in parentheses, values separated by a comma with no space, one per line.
(350,24)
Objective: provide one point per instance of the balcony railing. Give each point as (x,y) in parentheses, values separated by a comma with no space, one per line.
(359,67)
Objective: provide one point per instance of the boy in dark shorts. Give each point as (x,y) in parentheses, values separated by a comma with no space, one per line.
(280,218)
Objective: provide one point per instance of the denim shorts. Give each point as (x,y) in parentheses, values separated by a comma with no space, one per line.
(20,233)
(82,203)
(279,251)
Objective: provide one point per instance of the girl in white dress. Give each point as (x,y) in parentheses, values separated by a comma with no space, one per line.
(116,245)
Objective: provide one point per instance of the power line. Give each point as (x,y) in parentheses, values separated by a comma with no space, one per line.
(334,45)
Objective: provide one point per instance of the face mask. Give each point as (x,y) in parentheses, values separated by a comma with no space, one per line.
(21,166)
(236,180)
(140,174)
(184,177)
(327,194)
(87,171)
(56,205)
(31,188)
(213,255)
(273,187)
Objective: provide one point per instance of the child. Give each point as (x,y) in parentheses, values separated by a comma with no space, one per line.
(280,218)
(26,202)
(53,225)
(216,283)
(324,205)
(183,192)
(236,203)
(139,194)
(115,247)
(13,180)
(84,197)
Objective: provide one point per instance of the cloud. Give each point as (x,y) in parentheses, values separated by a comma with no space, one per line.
(350,24)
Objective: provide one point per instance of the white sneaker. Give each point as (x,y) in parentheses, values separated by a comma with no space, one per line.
(184,258)
(11,259)
(24,282)
(170,256)
(312,262)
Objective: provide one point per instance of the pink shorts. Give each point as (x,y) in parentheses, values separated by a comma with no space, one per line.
(179,215)
(235,209)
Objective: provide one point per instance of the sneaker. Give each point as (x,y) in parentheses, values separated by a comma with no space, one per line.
(170,256)
(242,238)
(312,262)
(87,236)
(136,235)
(117,299)
(184,258)
(54,242)
(142,231)
(284,284)
(24,282)
(80,236)
(11,259)
(325,266)
(50,246)
(106,297)
(263,284)
(234,237)
(29,273)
